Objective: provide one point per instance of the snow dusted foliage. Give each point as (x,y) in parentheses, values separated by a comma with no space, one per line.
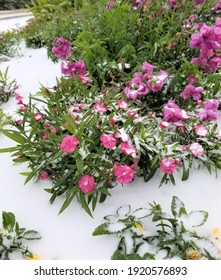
(174,235)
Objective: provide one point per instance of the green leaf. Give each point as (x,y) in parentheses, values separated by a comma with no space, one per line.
(79,163)
(31,235)
(84,204)
(8,221)
(172,179)
(186,173)
(68,200)
(101,230)
(7,150)
(15,136)
(29,175)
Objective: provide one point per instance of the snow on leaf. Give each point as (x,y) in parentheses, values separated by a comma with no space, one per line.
(142,213)
(177,207)
(116,227)
(123,211)
(197,218)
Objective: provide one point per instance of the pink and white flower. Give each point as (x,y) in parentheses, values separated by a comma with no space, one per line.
(124,174)
(86,183)
(201,130)
(168,165)
(38,116)
(196,149)
(100,108)
(122,104)
(69,144)
(127,149)
(108,140)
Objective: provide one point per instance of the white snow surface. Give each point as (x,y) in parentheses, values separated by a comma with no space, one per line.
(69,236)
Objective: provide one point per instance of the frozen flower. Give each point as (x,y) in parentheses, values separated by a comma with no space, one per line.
(168,165)
(127,149)
(122,135)
(156,82)
(122,104)
(19,102)
(193,255)
(112,121)
(196,149)
(123,173)
(148,68)
(45,135)
(85,79)
(108,141)
(131,113)
(44,175)
(23,108)
(209,110)
(61,48)
(173,113)
(73,69)
(201,130)
(18,122)
(69,144)
(191,91)
(164,124)
(54,130)
(18,96)
(38,116)
(86,183)
(100,108)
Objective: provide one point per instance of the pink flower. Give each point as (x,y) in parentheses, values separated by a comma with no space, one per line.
(44,175)
(18,122)
(122,104)
(100,108)
(86,183)
(164,124)
(45,135)
(73,69)
(19,101)
(123,173)
(122,135)
(209,110)
(85,79)
(38,116)
(191,91)
(168,165)
(196,149)
(61,48)
(112,121)
(127,149)
(201,130)
(173,113)
(108,141)
(69,144)
(23,108)
(54,130)
(18,96)
(1,37)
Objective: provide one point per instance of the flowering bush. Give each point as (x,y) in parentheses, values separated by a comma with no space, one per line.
(100,126)
(7,88)
(9,42)
(12,235)
(168,236)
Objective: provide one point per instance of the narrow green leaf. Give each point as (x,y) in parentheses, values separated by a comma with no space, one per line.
(67,201)
(101,230)
(7,150)
(84,204)
(15,136)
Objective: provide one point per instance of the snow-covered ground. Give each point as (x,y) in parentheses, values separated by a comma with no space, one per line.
(69,235)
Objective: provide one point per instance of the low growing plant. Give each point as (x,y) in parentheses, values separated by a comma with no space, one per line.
(12,237)
(7,88)
(150,233)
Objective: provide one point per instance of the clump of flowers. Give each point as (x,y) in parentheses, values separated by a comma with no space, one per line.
(207,39)
(12,237)
(145,82)
(168,236)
